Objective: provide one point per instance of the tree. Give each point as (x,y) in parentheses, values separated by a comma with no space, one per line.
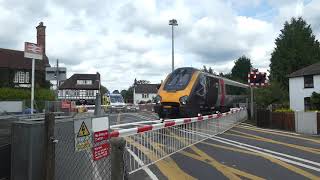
(296,47)
(104,90)
(116,92)
(315,101)
(241,68)
(270,95)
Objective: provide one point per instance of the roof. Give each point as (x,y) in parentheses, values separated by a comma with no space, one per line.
(71,83)
(309,70)
(15,59)
(146,88)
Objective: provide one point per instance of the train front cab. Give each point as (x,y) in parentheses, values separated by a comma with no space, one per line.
(185,93)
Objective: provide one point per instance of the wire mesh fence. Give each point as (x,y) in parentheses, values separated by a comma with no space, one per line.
(73,165)
(146,148)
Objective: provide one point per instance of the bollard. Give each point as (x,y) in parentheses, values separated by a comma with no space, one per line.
(117,159)
(49,146)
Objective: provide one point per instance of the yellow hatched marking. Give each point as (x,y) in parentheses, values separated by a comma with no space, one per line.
(167,166)
(227,171)
(274,160)
(281,134)
(259,138)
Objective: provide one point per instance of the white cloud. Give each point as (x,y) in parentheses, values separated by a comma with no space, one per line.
(124,40)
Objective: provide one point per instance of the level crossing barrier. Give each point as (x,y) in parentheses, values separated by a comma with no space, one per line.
(147,144)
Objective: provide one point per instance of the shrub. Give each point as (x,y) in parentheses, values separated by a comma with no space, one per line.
(284,110)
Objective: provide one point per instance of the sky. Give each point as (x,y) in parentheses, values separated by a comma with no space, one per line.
(124,40)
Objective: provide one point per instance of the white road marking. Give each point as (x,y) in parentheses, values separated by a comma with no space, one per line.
(145,168)
(255,149)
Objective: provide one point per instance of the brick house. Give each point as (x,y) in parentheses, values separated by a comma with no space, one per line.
(15,69)
(81,88)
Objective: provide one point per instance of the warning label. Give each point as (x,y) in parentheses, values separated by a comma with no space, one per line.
(82,129)
(100,151)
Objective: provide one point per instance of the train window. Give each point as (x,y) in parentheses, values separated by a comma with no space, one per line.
(200,88)
(179,79)
(235,90)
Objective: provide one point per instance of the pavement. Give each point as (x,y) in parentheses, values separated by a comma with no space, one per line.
(243,152)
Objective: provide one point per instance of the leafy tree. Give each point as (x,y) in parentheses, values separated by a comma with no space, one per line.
(241,68)
(296,47)
(104,90)
(315,101)
(272,94)
(116,92)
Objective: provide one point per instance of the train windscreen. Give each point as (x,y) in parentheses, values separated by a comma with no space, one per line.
(179,79)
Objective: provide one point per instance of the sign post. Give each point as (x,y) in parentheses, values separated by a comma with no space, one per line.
(32,51)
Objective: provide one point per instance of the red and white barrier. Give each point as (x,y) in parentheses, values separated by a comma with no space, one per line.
(169,123)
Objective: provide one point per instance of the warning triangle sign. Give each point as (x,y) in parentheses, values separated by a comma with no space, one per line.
(83,130)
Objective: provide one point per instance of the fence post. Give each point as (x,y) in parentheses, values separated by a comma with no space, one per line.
(49,146)
(117,159)
(97,109)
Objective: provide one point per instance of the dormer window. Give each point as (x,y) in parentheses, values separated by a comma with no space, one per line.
(308,81)
(84,82)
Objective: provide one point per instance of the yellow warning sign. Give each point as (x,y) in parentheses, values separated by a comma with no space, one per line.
(83,130)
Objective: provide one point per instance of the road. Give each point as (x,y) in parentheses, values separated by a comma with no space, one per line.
(243,152)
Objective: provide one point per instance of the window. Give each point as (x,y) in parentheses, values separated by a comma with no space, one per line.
(27,77)
(21,77)
(307,103)
(178,79)
(90,93)
(308,81)
(84,82)
(16,77)
(145,95)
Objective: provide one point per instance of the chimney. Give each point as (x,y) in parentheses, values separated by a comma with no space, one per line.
(41,36)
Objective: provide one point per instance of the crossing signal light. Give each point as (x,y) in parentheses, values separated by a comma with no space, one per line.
(257,79)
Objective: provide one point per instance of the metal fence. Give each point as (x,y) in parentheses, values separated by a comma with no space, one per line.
(76,165)
(148,144)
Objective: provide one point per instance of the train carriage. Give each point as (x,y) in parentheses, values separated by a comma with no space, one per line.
(187,91)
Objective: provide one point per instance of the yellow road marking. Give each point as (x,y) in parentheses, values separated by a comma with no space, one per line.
(227,171)
(167,166)
(259,138)
(274,160)
(281,134)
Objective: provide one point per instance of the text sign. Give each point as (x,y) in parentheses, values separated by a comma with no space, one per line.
(33,51)
(100,136)
(100,151)
(82,131)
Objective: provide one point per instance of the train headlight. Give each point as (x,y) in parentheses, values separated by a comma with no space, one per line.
(184,99)
(157,99)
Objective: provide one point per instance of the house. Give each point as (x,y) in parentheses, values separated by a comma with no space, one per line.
(302,83)
(81,88)
(143,93)
(15,69)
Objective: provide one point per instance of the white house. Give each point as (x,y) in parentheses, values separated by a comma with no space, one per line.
(81,88)
(144,92)
(302,84)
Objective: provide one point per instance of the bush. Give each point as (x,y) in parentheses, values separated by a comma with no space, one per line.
(284,110)
(25,94)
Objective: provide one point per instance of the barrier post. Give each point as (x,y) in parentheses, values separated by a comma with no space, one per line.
(117,159)
(49,146)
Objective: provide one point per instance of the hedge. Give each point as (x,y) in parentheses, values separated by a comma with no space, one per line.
(25,94)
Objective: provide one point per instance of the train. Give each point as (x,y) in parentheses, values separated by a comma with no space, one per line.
(188,92)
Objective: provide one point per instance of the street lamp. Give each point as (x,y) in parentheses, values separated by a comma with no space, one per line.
(173,23)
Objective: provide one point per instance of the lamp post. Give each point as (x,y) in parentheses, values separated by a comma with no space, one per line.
(173,23)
